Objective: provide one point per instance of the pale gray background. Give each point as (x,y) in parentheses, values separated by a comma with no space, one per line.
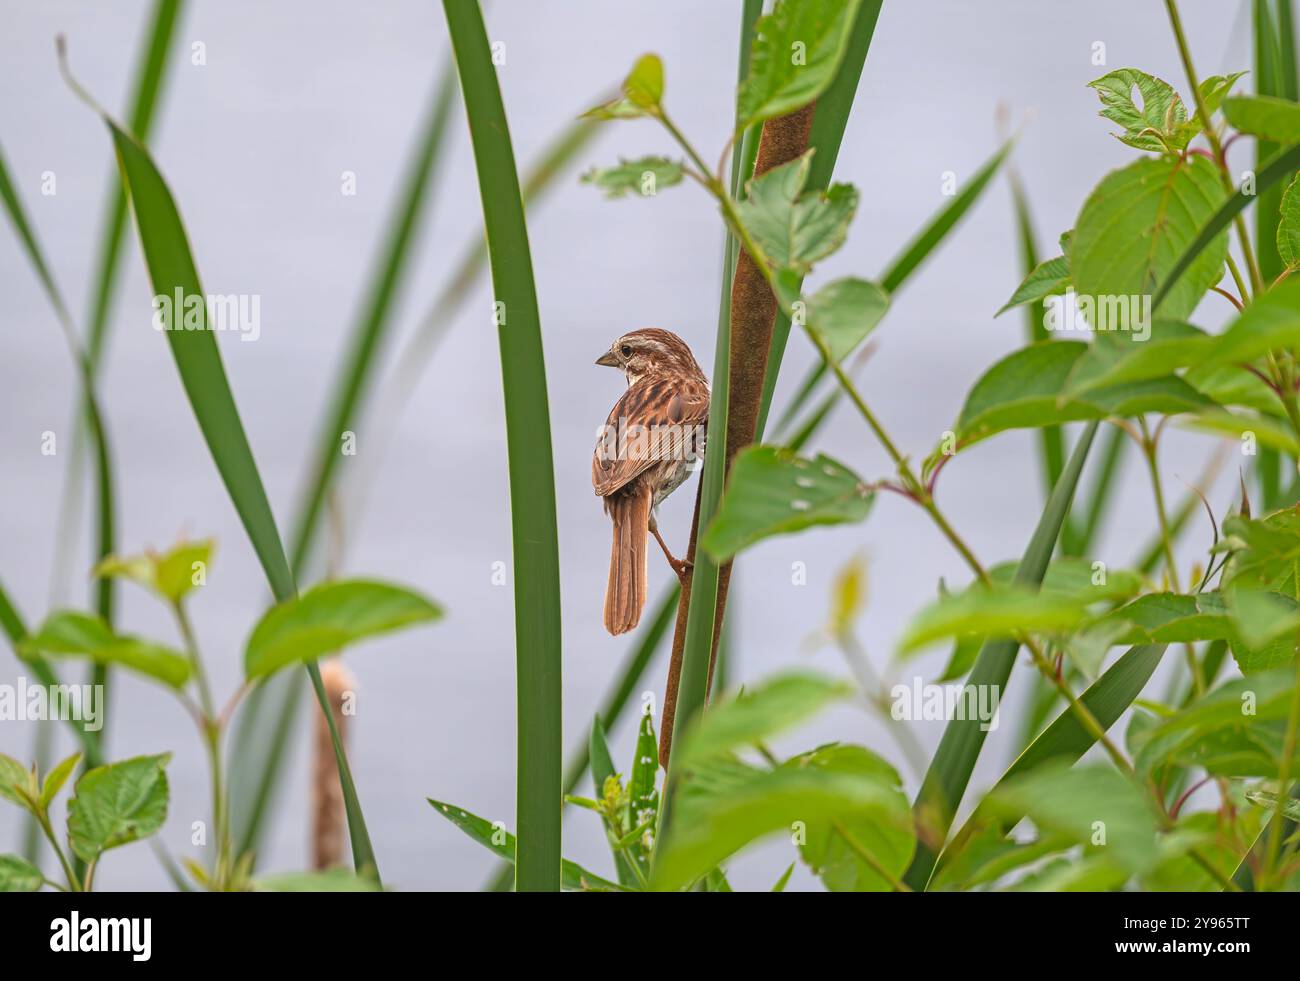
(253,144)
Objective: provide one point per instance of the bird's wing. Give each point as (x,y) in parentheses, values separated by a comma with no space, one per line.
(637,432)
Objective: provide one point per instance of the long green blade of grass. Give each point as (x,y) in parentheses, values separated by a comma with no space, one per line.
(267,719)
(829,122)
(902,268)
(950,770)
(1051,439)
(198,361)
(532,475)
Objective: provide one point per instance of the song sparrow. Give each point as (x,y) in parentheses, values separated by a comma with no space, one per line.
(645,450)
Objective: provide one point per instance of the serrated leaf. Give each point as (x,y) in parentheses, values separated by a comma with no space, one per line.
(1162,109)
(1096,806)
(1172,618)
(886,835)
(1136,225)
(724,806)
(1114,359)
(1050,278)
(169,575)
(329,617)
(19,875)
(117,804)
(1271,322)
(644,85)
(1026,389)
(1288,227)
(15,781)
(758,713)
(1273,119)
(796,229)
(843,313)
(68,633)
(796,52)
(1000,610)
(502,843)
(771,491)
(56,778)
(641,177)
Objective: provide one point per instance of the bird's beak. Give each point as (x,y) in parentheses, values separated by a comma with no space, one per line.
(608,360)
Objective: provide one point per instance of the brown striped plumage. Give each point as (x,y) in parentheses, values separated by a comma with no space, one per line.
(645,451)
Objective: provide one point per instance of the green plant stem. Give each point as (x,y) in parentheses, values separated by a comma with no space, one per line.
(43,819)
(210,726)
(1238,279)
(1149,452)
(1185,54)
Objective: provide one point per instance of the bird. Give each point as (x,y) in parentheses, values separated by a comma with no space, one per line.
(651,441)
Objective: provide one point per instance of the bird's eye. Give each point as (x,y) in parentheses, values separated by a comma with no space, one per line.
(626,350)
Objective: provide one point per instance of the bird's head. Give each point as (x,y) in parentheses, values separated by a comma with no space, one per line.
(650,351)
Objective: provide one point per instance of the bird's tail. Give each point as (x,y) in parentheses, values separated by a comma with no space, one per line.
(625,593)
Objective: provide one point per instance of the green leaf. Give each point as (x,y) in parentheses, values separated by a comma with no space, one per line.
(1172,618)
(498,840)
(844,312)
(538,662)
(16,783)
(57,777)
(996,611)
(329,617)
(1276,120)
(1288,229)
(758,713)
(796,54)
(1138,222)
(644,85)
(886,835)
(773,492)
(328,880)
(1028,389)
(117,804)
(19,875)
(645,773)
(723,806)
(988,856)
(1050,278)
(1094,805)
(69,633)
(1114,359)
(1265,430)
(1268,801)
(794,229)
(642,177)
(1272,321)
(1243,706)
(170,574)
(1161,111)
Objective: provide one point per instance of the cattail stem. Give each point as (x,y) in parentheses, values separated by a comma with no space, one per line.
(328,814)
(753,314)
